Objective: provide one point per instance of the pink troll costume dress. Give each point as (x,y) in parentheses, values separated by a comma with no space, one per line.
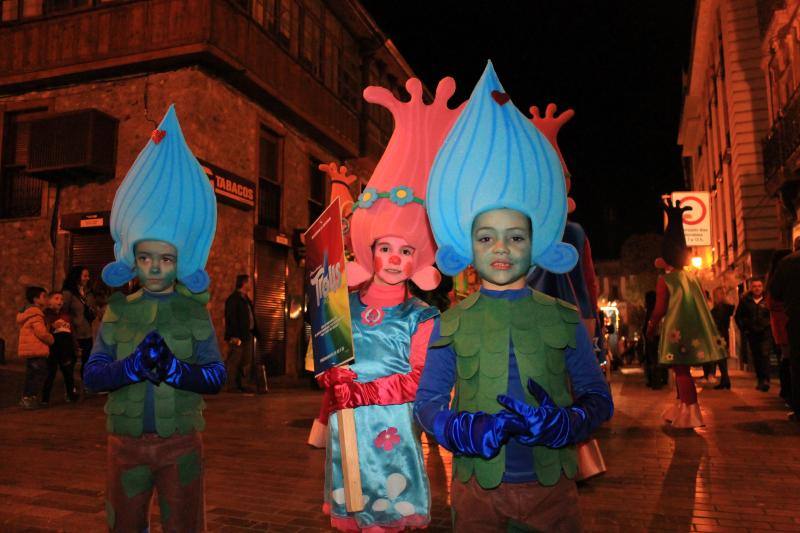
(391,330)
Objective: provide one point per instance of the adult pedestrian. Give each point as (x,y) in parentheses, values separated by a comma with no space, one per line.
(722,313)
(778,325)
(79,304)
(752,317)
(785,288)
(240,329)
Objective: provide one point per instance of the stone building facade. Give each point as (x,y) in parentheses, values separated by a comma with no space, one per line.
(264,90)
(779,22)
(724,119)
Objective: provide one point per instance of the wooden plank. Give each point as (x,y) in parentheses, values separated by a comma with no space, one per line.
(348,444)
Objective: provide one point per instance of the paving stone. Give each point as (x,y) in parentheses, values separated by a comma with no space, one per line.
(741,472)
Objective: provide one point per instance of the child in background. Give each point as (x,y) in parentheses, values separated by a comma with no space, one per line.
(34,344)
(63,351)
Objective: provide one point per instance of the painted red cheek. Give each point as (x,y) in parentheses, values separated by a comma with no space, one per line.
(394,260)
(407,269)
(378,264)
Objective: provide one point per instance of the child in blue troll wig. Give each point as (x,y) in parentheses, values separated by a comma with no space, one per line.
(156,352)
(527,383)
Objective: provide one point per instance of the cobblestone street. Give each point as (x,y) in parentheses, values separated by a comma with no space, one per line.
(740,473)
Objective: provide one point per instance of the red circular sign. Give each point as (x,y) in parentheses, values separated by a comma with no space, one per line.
(689,217)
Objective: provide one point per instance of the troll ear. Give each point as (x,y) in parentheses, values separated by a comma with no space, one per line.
(356,274)
(427,278)
(197,281)
(117,273)
(450,262)
(559,258)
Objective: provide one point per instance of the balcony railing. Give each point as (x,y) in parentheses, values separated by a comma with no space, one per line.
(781,144)
(122,35)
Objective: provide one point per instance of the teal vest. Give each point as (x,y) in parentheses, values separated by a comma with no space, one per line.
(481,329)
(182,320)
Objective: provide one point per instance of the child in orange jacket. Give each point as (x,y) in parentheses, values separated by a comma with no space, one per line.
(34,344)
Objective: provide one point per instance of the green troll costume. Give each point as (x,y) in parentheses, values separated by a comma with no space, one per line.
(156,351)
(527,384)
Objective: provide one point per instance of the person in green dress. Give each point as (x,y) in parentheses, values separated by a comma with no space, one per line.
(688,334)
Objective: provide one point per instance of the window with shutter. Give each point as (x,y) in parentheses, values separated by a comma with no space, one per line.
(20,193)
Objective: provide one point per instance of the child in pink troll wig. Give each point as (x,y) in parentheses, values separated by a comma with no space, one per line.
(393,244)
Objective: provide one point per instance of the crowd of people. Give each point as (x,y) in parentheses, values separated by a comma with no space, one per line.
(55,332)
(764,317)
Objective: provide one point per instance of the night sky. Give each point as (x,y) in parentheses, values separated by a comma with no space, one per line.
(618,64)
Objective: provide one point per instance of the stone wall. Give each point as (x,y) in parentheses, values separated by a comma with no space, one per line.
(221,126)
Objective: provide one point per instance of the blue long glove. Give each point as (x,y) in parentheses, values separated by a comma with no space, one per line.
(103,373)
(476,434)
(202,379)
(554,426)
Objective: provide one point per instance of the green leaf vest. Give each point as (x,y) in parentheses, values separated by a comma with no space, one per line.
(481,329)
(182,320)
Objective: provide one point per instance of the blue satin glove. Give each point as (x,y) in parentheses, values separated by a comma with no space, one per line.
(476,434)
(202,379)
(103,373)
(150,351)
(553,426)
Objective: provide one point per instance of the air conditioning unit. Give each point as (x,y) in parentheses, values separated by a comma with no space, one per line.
(79,143)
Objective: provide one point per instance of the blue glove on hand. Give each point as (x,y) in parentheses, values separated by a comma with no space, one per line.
(147,354)
(103,373)
(202,379)
(547,425)
(476,434)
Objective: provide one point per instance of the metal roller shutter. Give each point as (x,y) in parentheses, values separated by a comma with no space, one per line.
(270,306)
(91,249)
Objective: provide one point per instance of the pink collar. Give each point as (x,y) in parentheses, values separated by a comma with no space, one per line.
(384,295)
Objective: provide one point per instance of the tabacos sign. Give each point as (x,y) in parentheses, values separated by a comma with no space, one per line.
(230,188)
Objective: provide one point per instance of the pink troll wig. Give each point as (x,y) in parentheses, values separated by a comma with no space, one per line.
(392,205)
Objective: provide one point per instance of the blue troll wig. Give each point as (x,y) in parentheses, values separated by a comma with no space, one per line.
(494,158)
(167,197)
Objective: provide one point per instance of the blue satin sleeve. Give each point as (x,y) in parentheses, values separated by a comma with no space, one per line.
(202,379)
(207,351)
(207,375)
(589,389)
(437,380)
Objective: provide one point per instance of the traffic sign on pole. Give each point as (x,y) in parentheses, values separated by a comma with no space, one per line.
(697,222)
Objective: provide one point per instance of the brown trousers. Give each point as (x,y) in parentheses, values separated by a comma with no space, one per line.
(239,366)
(516,507)
(172,466)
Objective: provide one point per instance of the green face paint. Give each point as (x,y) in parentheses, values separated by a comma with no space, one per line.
(156,265)
(501,247)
